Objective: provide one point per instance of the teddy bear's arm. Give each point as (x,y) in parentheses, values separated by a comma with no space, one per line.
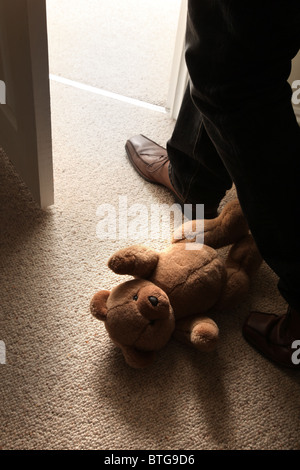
(137,359)
(136,260)
(229,227)
(198,331)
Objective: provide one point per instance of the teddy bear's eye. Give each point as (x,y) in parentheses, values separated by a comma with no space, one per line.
(135,297)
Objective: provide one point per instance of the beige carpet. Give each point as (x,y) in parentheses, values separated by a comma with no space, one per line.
(123,46)
(65,386)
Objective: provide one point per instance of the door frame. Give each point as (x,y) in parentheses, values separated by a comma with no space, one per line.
(25,119)
(179,73)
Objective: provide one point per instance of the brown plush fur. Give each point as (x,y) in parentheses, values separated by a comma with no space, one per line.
(174,291)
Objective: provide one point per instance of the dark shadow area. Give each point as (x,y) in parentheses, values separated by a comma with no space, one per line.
(156,401)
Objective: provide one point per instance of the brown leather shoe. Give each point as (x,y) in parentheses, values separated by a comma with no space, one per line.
(151,161)
(277,337)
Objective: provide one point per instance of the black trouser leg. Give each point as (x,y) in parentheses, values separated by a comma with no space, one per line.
(197,172)
(264,162)
(239,58)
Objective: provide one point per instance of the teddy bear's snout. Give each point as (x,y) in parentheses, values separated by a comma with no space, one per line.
(153,303)
(153,300)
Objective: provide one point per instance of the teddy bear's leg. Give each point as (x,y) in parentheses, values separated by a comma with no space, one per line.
(229,227)
(136,260)
(198,331)
(137,359)
(242,262)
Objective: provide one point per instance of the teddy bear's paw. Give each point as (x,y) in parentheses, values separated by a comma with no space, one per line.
(136,260)
(191,231)
(204,335)
(200,332)
(223,230)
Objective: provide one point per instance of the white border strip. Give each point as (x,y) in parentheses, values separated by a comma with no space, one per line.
(108,94)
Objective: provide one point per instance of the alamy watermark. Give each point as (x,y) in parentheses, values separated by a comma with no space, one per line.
(296,93)
(2,353)
(2,92)
(296,354)
(138,222)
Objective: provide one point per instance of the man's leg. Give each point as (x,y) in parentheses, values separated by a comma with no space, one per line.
(190,167)
(239,59)
(196,169)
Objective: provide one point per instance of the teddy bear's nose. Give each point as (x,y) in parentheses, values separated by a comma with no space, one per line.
(153,300)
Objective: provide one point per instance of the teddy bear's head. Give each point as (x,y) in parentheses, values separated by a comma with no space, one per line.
(138,318)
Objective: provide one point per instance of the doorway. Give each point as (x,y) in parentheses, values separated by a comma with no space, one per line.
(124,47)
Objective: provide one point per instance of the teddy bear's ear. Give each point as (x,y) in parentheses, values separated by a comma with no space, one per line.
(99,304)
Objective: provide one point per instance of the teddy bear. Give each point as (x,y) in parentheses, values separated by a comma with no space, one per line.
(174,292)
